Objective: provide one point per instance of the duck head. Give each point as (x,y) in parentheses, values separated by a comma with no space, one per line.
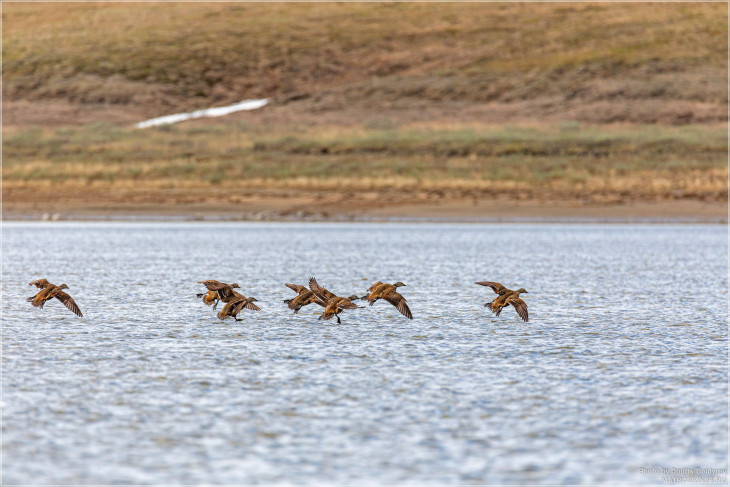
(398,284)
(63,286)
(251,300)
(521,290)
(353,298)
(235,284)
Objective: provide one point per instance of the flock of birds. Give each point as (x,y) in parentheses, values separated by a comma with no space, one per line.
(235,302)
(314,294)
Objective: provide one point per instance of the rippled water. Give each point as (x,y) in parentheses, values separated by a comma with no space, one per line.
(622,366)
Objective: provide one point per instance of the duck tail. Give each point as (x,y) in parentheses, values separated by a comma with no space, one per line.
(200,295)
(30,299)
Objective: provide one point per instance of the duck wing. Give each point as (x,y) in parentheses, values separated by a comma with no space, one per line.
(347,304)
(68,302)
(520,306)
(496,287)
(375,284)
(40,283)
(397,300)
(227,294)
(224,290)
(250,306)
(296,288)
(321,293)
(213,285)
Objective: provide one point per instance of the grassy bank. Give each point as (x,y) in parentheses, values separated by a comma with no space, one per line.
(638,162)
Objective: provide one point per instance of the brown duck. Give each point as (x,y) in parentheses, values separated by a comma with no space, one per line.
(224,291)
(51,291)
(333,304)
(236,303)
(505,297)
(303,298)
(388,292)
(210,298)
(379,289)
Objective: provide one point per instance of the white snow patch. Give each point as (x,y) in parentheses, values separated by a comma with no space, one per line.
(208,112)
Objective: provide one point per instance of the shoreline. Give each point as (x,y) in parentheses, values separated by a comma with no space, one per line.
(454,211)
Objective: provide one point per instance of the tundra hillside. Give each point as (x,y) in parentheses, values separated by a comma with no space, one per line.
(373,107)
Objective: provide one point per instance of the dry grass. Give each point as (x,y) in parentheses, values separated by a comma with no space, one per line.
(189,55)
(641,162)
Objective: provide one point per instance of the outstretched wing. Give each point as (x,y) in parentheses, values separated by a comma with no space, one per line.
(496,287)
(520,306)
(375,284)
(321,293)
(40,283)
(68,302)
(213,285)
(296,288)
(397,300)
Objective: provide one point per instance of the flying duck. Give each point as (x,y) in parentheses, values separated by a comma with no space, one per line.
(333,304)
(505,297)
(388,292)
(303,298)
(225,291)
(235,305)
(51,291)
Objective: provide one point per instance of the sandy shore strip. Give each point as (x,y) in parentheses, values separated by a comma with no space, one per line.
(308,208)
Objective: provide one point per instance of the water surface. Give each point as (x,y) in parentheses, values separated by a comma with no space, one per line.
(622,367)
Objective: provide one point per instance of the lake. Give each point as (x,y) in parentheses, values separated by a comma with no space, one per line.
(621,371)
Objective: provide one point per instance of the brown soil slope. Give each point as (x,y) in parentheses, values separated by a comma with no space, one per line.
(646,63)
